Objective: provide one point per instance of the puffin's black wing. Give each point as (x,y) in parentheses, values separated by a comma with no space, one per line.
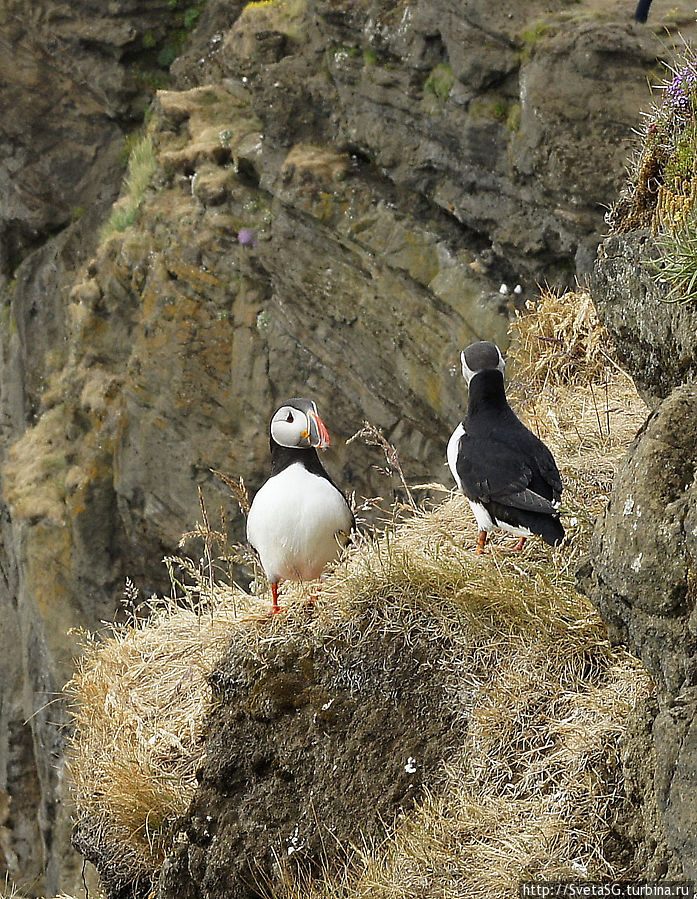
(509,465)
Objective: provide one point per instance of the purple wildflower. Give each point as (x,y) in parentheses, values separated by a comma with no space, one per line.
(679,91)
(247,237)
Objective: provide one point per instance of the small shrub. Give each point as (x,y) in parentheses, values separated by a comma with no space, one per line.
(191,16)
(440,81)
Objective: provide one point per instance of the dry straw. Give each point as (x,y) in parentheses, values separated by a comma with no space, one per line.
(536,790)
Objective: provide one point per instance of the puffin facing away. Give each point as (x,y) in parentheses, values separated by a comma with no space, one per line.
(508,475)
(299,519)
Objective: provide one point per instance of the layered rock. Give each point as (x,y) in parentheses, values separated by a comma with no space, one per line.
(655,338)
(396,164)
(643,558)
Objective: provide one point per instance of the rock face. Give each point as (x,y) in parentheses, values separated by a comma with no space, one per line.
(655,339)
(396,164)
(643,561)
(313,746)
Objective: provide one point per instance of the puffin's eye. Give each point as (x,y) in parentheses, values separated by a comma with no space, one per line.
(290,417)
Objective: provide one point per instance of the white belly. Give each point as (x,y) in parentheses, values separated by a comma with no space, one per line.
(485,522)
(453,447)
(297,523)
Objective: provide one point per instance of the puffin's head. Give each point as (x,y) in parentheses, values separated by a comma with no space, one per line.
(481,356)
(297,425)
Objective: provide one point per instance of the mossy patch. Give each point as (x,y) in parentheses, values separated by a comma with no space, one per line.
(440,81)
(284,16)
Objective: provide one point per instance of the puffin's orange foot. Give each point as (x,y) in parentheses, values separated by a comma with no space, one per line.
(275,608)
(519,545)
(481,548)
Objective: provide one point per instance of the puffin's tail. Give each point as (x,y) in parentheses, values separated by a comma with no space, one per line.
(546,526)
(551,530)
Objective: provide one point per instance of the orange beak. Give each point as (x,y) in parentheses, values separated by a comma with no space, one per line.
(319,435)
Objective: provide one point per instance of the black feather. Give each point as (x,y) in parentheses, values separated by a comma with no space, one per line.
(641,13)
(504,466)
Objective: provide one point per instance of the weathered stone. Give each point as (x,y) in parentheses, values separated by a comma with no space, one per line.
(315,744)
(655,339)
(643,578)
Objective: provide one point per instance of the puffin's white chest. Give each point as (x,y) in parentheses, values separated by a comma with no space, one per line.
(297,523)
(453,449)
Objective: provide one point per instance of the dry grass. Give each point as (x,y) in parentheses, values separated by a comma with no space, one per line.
(140,703)
(536,790)
(571,391)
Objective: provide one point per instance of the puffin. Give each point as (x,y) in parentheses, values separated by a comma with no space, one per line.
(508,475)
(299,519)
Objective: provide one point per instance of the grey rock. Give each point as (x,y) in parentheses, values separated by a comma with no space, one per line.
(655,339)
(129,370)
(642,577)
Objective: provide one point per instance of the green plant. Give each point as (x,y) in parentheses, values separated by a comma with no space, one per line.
(531,36)
(677,263)
(166,56)
(440,81)
(141,165)
(191,16)
(500,109)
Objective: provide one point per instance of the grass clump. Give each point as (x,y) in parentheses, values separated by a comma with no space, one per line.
(140,703)
(142,163)
(440,81)
(567,384)
(536,788)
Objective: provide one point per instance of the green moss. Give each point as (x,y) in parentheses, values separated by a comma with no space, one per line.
(440,81)
(499,109)
(167,55)
(681,164)
(532,35)
(369,56)
(513,118)
(149,40)
(191,16)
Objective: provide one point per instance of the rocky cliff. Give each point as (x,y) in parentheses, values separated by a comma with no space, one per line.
(325,199)
(643,559)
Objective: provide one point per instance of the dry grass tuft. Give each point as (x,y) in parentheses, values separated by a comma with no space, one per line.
(140,700)
(570,389)
(536,790)
(560,340)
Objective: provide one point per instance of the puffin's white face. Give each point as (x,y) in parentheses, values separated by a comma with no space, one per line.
(481,356)
(297,425)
